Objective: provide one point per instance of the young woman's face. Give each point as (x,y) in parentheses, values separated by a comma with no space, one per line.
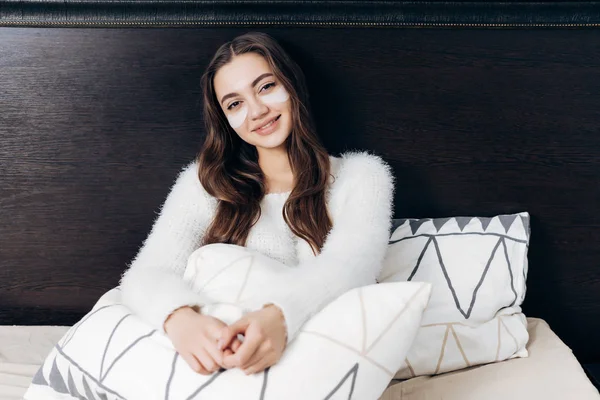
(251,96)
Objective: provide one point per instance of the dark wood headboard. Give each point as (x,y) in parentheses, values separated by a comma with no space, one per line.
(481,108)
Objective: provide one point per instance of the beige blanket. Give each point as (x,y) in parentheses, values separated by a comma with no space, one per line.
(22,351)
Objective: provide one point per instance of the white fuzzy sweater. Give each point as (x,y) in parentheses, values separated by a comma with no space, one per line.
(359,199)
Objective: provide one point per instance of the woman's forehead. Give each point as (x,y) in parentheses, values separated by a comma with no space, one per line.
(240,73)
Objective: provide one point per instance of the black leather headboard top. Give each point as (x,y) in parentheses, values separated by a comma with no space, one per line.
(100,107)
(312,13)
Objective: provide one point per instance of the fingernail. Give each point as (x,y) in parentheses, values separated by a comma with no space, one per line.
(220,344)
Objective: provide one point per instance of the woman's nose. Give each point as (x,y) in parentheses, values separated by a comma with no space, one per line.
(257,108)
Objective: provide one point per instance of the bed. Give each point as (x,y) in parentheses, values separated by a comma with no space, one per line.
(558,374)
(481,108)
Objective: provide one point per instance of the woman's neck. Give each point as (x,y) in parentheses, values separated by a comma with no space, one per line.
(276,167)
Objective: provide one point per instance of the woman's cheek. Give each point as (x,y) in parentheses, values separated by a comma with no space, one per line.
(278,95)
(237,118)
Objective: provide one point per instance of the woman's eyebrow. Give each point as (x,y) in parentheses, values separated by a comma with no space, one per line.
(254,82)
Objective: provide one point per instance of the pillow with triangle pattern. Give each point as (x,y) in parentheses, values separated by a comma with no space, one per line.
(478,268)
(350,349)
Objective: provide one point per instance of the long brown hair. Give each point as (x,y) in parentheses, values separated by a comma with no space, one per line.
(228,166)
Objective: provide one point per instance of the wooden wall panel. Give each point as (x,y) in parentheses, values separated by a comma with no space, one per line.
(95,124)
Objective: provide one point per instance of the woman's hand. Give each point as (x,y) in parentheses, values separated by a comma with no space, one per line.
(265,338)
(195,336)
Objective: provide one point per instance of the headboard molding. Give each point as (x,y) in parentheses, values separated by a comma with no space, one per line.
(332,13)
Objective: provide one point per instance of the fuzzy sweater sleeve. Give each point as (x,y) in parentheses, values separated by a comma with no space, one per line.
(352,255)
(152,286)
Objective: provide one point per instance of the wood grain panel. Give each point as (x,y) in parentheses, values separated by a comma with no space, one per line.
(95,124)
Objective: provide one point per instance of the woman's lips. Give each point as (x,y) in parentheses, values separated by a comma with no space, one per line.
(270,128)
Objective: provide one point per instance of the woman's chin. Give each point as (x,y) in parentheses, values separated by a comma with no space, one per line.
(272,141)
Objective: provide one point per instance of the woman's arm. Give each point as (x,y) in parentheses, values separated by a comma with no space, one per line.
(353,252)
(153,286)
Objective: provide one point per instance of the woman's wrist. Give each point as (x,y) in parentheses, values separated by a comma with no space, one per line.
(281,315)
(275,307)
(178,312)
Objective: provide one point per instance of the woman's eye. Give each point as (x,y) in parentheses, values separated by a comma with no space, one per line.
(268,85)
(232,105)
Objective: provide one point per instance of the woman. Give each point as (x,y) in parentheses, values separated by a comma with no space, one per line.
(262,180)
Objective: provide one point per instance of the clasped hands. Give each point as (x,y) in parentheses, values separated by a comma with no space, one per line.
(208,344)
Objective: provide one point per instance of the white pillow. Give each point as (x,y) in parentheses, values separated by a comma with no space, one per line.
(478,268)
(350,349)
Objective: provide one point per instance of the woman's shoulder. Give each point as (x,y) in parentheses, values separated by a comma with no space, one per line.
(188,182)
(354,168)
(190,170)
(187,176)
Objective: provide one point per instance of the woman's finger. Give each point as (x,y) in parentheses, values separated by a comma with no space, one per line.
(215,354)
(229,333)
(236,345)
(206,360)
(262,364)
(260,353)
(246,350)
(194,364)
(231,349)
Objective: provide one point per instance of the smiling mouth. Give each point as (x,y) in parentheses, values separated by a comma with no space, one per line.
(267,124)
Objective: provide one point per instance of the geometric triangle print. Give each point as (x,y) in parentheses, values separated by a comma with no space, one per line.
(439,222)
(127,349)
(517,230)
(224,280)
(401,257)
(507,221)
(38,378)
(397,223)
(427,256)
(105,360)
(498,284)
(72,388)
(57,382)
(416,223)
(464,283)
(525,220)
(88,392)
(213,377)
(485,221)
(507,345)
(264,385)
(352,309)
(462,222)
(496,226)
(345,388)
(452,355)
(377,320)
